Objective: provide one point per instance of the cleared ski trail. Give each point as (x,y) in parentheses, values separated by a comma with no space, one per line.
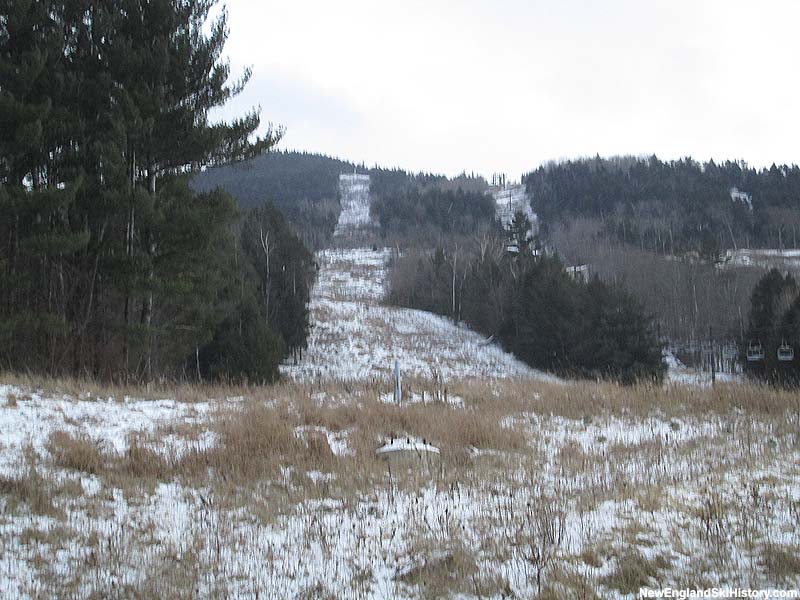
(354,336)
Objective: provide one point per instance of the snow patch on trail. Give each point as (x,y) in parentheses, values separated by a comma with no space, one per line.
(355,337)
(354,194)
(508,200)
(680,374)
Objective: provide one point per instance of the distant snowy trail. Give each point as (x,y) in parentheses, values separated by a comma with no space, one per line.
(355,337)
(354,218)
(510,199)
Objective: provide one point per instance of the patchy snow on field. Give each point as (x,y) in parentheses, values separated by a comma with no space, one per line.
(702,497)
(36,415)
(355,337)
(680,374)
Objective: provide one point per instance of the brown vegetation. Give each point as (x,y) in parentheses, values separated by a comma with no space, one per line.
(556,456)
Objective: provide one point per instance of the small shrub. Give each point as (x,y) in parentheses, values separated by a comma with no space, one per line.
(633,571)
(80,453)
(439,576)
(780,563)
(30,489)
(141,461)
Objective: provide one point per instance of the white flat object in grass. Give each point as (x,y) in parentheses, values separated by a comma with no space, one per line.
(406,444)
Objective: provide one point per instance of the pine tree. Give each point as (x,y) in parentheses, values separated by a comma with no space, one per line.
(519,231)
(171,75)
(39,191)
(109,263)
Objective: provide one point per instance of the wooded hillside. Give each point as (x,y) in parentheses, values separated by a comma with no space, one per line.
(303,186)
(676,206)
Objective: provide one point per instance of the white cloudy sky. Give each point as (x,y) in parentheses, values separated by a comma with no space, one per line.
(504,85)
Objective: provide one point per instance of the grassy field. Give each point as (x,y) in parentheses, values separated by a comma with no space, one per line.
(584,490)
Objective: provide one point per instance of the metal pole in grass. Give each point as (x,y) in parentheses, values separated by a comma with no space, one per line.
(398,391)
(391,483)
(713,363)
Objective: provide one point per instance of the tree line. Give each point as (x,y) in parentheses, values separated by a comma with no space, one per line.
(111,265)
(409,207)
(426,209)
(673,207)
(533,308)
(304,186)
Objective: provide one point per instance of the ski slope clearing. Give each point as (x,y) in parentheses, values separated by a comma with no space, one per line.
(355,337)
(354,195)
(510,199)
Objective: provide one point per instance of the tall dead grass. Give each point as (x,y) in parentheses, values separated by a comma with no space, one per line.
(30,489)
(265,446)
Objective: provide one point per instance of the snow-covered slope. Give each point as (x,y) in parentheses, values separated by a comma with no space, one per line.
(762,258)
(511,199)
(354,336)
(355,217)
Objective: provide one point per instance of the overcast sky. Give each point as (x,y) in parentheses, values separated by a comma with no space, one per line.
(504,85)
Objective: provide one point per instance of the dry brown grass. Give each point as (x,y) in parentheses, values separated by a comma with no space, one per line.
(567,584)
(577,400)
(144,462)
(253,443)
(29,489)
(781,563)
(443,573)
(572,400)
(88,389)
(57,536)
(634,571)
(548,467)
(80,452)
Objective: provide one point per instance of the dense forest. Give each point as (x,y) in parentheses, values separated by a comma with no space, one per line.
(426,209)
(673,207)
(110,264)
(303,186)
(534,309)
(409,207)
